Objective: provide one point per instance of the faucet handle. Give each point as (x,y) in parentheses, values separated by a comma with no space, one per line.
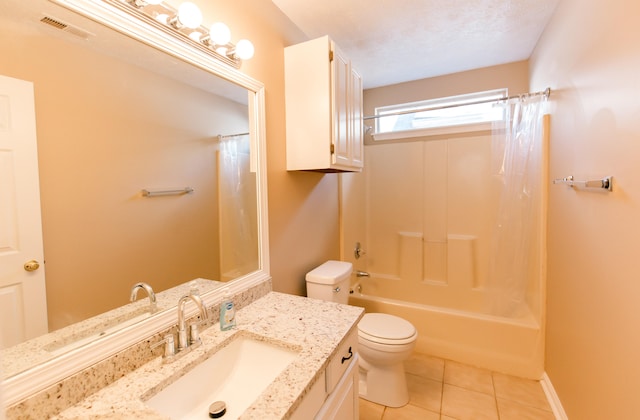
(194,334)
(169,346)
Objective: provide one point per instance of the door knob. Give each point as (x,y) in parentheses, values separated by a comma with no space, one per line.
(32,265)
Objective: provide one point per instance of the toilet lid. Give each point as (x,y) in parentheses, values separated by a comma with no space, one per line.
(385,328)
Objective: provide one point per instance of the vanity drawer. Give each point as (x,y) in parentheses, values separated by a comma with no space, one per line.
(341,360)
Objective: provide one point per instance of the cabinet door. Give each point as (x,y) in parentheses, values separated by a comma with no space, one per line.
(343,403)
(357,134)
(340,79)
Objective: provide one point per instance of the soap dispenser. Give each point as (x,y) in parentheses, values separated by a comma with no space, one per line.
(227,312)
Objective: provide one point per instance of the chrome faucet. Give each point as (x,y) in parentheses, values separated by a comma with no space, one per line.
(152,296)
(362,274)
(194,337)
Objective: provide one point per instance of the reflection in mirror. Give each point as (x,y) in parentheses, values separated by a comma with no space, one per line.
(20,357)
(115,117)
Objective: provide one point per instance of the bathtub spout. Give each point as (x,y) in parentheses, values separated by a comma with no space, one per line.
(362,274)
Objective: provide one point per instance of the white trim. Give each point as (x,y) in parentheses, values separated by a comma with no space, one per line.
(552,397)
(437,131)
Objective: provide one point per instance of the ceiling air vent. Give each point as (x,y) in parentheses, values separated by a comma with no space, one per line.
(58,24)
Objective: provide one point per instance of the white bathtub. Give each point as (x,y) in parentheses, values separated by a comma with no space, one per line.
(511,346)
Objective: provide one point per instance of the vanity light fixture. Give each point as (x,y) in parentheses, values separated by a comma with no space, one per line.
(185,23)
(188,16)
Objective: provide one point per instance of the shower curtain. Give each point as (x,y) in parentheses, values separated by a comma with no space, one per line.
(517,166)
(238,210)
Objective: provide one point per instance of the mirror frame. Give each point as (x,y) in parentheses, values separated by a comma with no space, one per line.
(39,377)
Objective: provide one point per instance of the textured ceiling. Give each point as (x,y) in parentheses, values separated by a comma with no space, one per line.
(394,41)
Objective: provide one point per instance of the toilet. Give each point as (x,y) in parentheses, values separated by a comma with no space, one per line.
(384,341)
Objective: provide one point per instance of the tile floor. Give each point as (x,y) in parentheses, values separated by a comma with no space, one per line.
(445,390)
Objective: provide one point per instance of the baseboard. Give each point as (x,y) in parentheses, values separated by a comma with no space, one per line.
(552,397)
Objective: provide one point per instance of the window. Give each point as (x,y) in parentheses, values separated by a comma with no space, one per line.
(438,116)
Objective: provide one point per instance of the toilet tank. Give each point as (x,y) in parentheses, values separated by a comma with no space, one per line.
(330,281)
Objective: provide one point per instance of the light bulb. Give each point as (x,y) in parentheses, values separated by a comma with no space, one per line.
(162,18)
(220,34)
(189,15)
(244,49)
(196,36)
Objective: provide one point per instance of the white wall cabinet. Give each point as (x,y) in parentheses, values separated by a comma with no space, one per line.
(323,95)
(334,396)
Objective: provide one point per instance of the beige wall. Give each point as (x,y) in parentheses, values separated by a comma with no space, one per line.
(590,56)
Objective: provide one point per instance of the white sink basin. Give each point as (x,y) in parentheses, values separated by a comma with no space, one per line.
(236,374)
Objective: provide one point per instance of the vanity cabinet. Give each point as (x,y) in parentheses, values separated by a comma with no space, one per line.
(342,403)
(323,98)
(334,396)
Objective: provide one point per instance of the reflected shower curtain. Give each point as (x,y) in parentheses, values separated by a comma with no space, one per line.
(238,209)
(517,165)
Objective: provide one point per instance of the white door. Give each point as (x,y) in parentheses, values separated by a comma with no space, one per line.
(23,307)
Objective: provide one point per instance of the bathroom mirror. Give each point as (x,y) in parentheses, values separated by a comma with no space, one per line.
(200,231)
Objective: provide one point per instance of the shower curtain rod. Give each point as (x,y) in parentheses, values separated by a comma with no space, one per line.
(546,93)
(226,136)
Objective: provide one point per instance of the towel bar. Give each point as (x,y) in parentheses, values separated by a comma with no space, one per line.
(604,183)
(153,193)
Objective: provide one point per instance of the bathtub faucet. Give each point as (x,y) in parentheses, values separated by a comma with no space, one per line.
(362,274)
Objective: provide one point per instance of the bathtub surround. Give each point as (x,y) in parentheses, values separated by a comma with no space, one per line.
(429,251)
(425,210)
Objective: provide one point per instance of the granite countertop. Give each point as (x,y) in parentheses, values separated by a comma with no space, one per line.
(38,350)
(315,328)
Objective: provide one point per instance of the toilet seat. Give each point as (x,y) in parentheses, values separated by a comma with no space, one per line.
(386,329)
